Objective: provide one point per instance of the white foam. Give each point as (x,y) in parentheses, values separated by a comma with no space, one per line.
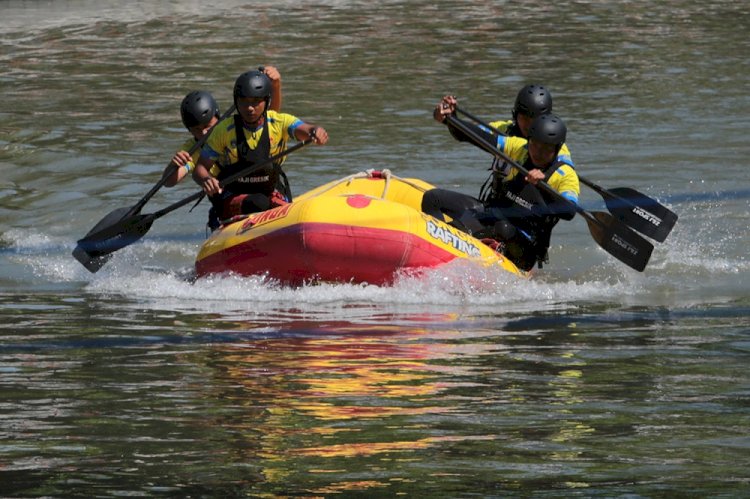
(155,272)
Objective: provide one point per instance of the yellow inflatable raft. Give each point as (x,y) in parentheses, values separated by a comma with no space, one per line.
(366,227)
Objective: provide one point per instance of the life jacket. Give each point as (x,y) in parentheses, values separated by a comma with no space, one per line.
(263,181)
(526,207)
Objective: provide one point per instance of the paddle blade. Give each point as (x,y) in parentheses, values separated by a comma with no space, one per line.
(619,241)
(644,214)
(111,234)
(92,262)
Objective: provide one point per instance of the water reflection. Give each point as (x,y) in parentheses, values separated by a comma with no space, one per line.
(336,396)
(378,405)
(395,398)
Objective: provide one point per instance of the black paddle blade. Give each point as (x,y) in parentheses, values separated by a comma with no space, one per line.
(111,234)
(92,262)
(644,214)
(619,241)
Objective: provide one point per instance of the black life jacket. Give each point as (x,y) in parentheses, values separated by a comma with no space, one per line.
(526,207)
(266,179)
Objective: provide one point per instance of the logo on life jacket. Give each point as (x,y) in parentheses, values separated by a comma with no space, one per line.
(519,200)
(452,238)
(256,180)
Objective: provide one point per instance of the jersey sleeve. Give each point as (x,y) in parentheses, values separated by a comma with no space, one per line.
(564,155)
(291,125)
(217,141)
(286,124)
(565,181)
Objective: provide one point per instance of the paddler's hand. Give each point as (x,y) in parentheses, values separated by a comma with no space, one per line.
(210,186)
(181,158)
(177,169)
(319,135)
(445,107)
(273,75)
(535,176)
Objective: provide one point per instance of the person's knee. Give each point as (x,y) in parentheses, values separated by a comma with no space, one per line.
(253,203)
(504,230)
(470,222)
(431,204)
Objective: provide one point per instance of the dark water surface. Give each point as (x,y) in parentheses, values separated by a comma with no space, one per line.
(589,380)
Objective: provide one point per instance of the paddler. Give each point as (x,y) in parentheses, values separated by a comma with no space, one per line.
(251,136)
(200,112)
(514,211)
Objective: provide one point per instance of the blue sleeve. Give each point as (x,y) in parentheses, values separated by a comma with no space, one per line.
(570,196)
(565,158)
(293,128)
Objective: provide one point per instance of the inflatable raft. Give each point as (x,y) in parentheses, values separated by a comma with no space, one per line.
(365,228)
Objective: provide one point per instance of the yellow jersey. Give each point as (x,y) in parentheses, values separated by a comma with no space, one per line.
(221,146)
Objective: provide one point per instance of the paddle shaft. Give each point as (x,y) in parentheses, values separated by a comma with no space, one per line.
(604,192)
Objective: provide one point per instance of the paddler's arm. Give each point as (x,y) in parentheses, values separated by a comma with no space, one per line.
(307,130)
(203,177)
(275,77)
(180,166)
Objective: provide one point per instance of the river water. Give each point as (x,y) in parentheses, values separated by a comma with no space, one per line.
(589,380)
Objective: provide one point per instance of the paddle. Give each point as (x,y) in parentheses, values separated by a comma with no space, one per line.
(115,216)
(644,214)
(613,236)
(639,211)
(111,235)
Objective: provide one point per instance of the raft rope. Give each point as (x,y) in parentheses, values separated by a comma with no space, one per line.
(388,175)
(385,174)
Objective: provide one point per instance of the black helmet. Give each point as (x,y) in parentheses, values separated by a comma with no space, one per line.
(533,100)
(198,108)
(548,129)
(252,84)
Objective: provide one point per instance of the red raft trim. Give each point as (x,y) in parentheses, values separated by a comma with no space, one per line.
(331,252)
